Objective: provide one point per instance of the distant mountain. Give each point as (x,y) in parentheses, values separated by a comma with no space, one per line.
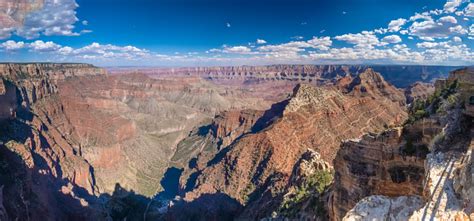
(399,75)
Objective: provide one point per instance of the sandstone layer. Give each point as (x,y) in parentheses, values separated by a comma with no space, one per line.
(400,76)
(41,169)
(260,163)
(442,129)
(244,142)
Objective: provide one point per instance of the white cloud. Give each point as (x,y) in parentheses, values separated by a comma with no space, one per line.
(469,10)
(228,25)
(458,29)
(66,50)
(457,39)
(261,41)
(426,44)
(448,19)
(422,16)
(293,46)
(428,28)
(297,37)
(320,43)
(232,50)
(427,38)
(395,25)
(363,39)
(109,51)
(392,39)
(237,49)
(85,22)
(56,17)
(41,46)
(442,34)
(12,45)
(451,5)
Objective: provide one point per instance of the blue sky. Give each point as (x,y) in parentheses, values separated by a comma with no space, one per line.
(238,32)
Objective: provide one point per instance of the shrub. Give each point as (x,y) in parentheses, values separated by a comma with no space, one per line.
(309,191)
(421,109)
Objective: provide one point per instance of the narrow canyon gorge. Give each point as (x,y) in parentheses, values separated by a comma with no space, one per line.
(278,142)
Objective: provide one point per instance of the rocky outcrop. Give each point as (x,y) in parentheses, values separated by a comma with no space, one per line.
(39,80)
(230,125)
(305,194)
(441,127)
(314,118)
(386,208)
(50,71)
(8,100)
(375,165)
(371,83)
(463,181)
(46,167)
(418,91)
(3,89)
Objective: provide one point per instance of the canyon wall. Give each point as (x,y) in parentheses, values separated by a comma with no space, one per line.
(423,171)
(260,163)
(41,169)
(398,75)
(245,141)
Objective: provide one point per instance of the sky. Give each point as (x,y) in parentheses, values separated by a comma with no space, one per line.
(237,32)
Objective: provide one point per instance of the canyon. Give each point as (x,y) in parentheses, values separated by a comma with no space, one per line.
(223,143)
(398,75)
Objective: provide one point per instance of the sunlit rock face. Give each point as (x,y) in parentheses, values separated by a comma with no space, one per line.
(445,192)
(374,165)
(400,76)
(14,12)
(241,140)
(41,168)
(418,90)
(7,100)
(260,164)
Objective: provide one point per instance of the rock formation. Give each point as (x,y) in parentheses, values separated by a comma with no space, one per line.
(261,163)
(435,150)
(39,164)
(214,143)
(375,165)
(418,91)
(400,76)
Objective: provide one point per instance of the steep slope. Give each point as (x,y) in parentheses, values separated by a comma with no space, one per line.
(134,123)
(432,161)
(418,91)
(261,163)
(41,169)
(81,132)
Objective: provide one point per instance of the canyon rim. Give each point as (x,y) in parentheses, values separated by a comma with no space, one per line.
(209,110)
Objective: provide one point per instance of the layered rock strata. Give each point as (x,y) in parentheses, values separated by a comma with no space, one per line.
(443,127)
(400,76)
(261,163)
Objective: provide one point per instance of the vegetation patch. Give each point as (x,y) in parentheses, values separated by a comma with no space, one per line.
(424,108)
(307,196)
